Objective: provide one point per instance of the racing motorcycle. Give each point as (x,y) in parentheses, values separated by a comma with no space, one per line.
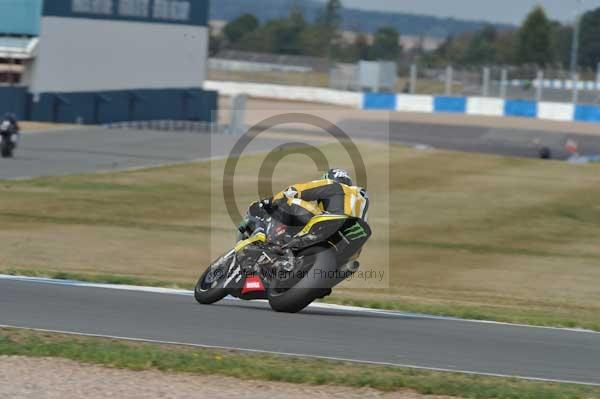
(9,138)
(289,268)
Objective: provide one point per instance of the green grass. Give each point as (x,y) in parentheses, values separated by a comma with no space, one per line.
(142,356)
(96,278)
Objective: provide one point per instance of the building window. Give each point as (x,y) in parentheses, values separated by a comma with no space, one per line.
(103,7)
(134,8)
(177,10)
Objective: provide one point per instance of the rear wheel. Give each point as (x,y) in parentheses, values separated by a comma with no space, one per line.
(316,282)
(209,288)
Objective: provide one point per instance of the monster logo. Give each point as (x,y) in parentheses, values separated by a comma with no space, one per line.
(355,232)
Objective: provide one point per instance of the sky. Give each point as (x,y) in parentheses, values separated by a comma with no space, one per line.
(506,11)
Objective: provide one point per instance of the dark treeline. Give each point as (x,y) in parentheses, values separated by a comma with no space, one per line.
(539,41)
(294,35)
(352,19)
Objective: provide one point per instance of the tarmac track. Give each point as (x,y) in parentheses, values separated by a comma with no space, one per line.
(329,332)
(90,150)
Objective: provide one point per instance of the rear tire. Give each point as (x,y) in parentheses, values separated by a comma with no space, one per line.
(205,295)
(312,286)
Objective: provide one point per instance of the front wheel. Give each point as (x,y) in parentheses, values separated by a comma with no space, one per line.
(6,151)
(209,288)
(315,283)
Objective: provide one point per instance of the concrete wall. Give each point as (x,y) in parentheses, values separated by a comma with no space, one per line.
(292,93)
(79,55)
(249,66)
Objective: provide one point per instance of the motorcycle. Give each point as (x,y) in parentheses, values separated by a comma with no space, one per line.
(9,138)
(287,267)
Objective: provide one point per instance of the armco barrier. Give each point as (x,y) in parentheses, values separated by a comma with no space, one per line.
(291,93)
(450,104)
(379,101)
(522,108)
(415,103)
(483,106)
(555,111)
(587,113)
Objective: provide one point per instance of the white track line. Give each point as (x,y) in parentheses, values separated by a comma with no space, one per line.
(316,305)
(331,358)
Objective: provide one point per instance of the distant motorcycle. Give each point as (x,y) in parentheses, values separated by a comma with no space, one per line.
(9,138)
(264,266)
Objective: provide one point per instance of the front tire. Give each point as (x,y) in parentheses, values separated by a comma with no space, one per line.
(317,283)
(209,289)
(6,152)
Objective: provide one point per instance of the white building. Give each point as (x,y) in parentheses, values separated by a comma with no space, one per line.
(107,60)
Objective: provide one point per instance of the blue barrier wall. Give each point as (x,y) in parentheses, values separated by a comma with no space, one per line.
(379,101)
(522,108)
(125,105)
(482,106)
(13,100)
(587,113)
(450,104)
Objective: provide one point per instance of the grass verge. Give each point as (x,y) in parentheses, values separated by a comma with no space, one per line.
(96,278)
(144,356)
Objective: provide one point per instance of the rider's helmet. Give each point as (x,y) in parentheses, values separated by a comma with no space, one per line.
(339,175)
(9,117)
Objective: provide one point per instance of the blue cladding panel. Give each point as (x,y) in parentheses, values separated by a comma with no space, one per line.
(20,17)
(184,12)
(13,100)
(450,104)
(587,113)
(379,101)
(522,108)
(125,105)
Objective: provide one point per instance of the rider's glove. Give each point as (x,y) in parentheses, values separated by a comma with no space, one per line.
(243,226)
(266,204)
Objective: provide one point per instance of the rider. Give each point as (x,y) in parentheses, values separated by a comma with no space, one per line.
(12,119)
(334,193)
(10,127)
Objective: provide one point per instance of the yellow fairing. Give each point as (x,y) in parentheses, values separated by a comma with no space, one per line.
(319,219)
(354,202)
(255,238)
(303,187)
(309,206)
(311,185)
